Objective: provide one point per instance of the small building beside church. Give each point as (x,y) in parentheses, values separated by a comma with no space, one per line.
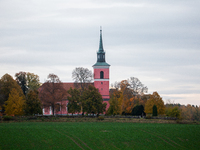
(101,81)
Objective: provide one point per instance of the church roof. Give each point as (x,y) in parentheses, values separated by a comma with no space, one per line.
(68,85)
(101,50)
(101,64)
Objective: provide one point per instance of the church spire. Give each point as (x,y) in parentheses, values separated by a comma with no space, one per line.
(100,53)
(101,41)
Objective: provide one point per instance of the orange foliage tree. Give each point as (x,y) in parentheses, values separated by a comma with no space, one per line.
(155,99)
(129,94)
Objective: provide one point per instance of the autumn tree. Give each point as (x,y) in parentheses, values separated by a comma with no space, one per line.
(1,97)
(126,94)
(137,87)
(92,101)
(197,113)
(52,92)
(15,103)
(74,103)
(115,102)
(131,91)
(81,77)
(190,112)
(172,110)
(114,108)
(33,104)
(7,84)
(155,99)
(27,81)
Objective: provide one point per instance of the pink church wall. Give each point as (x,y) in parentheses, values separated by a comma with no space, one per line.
(63,109)
(97,73)
(103,87)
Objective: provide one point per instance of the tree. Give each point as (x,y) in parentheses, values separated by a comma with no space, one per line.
(131,91)
(155,99)
(33,104)
(137,86)
(27,81)
(15,103)
(1,97)
(74,101)
(114,108)
(190,112)
(92,101)
(126,94)
(197,113)
(81,76)
(116,100)
(33,82)
(138,111)
(175,112)
(7,84)
(52,92)
(21,80)
(155,113)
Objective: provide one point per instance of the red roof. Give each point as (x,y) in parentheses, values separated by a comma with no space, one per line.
(67,86)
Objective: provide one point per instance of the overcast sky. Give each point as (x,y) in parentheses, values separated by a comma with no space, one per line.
(156,41)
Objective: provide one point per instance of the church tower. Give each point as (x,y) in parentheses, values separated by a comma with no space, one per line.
(101,73)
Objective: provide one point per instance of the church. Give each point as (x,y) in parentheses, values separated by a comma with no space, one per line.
(101,81)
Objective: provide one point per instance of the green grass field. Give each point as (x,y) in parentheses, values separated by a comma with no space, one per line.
(98,135)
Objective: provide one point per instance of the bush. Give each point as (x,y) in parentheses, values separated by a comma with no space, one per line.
(7,118)
(100,118)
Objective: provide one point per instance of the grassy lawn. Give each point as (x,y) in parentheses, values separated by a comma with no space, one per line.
(98,135)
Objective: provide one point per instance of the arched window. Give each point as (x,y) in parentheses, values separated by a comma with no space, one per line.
(101,75)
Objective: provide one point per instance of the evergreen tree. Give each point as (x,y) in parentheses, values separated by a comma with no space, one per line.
(155,113)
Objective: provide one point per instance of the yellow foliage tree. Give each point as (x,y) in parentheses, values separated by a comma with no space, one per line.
(116,95)
(15,103)
(155,99)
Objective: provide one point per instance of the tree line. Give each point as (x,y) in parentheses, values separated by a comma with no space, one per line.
(25,95)
(128,98)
